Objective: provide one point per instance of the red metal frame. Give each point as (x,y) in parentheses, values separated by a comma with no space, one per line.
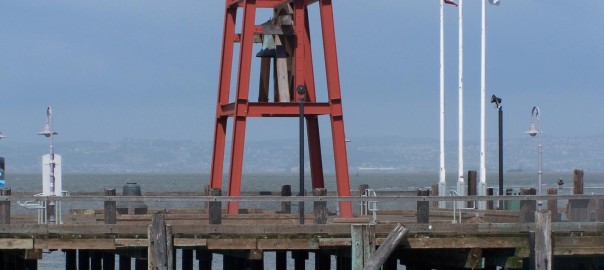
(241,107)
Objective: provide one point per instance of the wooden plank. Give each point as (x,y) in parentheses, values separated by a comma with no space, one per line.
(288,244)
(465,242)
(231,244)
(73,243)
(125,243)
(190,242)
(281,72)
(8,243)
(568,251)
(170,247)
(334,242)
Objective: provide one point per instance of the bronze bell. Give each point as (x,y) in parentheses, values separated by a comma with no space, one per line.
(268,47)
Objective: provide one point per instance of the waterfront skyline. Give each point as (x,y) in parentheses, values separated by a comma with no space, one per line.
(149,69)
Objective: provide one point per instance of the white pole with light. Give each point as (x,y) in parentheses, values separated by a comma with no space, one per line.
(50,184)
(482,186)
(442,184)
(536,114)
(461,189)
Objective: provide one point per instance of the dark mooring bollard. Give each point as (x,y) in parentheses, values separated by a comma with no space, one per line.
(215,211)
(423,207)
(110,207)
(320,207)
(132,207)
(5,207)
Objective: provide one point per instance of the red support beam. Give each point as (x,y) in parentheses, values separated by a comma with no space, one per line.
(334,96)
(243,85)
(312,127)
(224,85)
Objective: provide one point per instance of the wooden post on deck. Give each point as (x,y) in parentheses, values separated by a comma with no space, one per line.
(5,207)
(578,207)
(543,240)
(423,207)
(527,207)
(490,203)
(363,244)
(286,207)
(471,188)
(552,205)
(110,207)
(320,207)
(215,211)
(434,193)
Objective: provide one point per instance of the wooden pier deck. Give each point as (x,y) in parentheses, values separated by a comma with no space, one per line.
(478,239)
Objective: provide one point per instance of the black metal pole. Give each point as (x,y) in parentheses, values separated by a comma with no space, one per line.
(500,151)
(302,97)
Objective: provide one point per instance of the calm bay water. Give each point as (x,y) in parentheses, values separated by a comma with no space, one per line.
(378,180)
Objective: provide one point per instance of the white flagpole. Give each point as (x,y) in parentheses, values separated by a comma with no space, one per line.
(460,181)
(442,185)
(483,177)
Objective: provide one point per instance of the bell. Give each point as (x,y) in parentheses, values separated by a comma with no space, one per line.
(268,47)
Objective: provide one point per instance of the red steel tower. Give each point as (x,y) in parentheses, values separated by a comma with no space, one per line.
(287,44)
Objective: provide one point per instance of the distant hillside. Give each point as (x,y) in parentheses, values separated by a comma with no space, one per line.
(167,156)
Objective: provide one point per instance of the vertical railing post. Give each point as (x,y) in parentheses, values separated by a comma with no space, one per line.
(110,207)
(5,207)
(320,207)
(578,207)
(552,205)
(215,211)
(527,207)
(423,207)
(286,207)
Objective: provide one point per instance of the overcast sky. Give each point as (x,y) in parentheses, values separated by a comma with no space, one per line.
(149,69)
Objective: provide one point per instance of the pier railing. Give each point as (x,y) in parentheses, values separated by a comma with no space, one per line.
(386,207)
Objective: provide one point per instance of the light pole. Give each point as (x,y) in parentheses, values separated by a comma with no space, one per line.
(48,132)
(2,169)
(497,101)
(301,98)
(536,114)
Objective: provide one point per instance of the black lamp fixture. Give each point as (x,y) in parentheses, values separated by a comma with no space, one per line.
(497,101)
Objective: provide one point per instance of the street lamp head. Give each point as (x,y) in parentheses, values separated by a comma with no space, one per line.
(47,131)
(2,135)
(532,130)
(496,101)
